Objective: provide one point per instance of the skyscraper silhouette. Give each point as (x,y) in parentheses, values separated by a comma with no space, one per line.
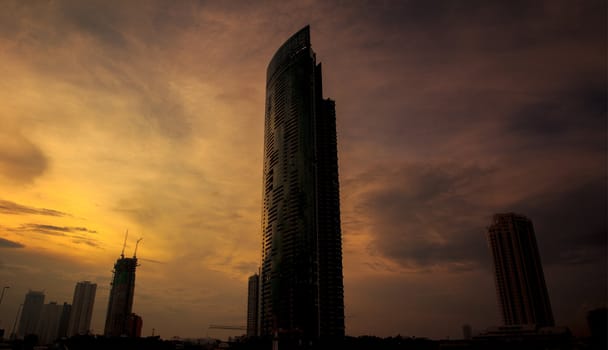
(64,320)
(82,308)
(121,297)
(30,315)
(48,324)
(520,282)
(301,287)
(252,305)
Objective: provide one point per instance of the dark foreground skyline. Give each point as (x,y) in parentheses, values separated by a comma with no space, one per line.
(147,117)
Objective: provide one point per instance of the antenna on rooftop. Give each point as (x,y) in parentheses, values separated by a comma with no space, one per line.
(122,254)
(136,245)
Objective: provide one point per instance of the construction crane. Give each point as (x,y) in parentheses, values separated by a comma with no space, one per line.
(122,254)
(136,245)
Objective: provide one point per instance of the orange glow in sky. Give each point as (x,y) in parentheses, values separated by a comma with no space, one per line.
(149,117)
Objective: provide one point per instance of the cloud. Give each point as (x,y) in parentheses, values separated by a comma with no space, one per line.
(470,118)
(21,161)
(99,22)
(5,243)
(88,242)
(433,83)
(54,230)
(109,39)
(434,215)
(73,233)
(152,261)
(8,207)
(570,223)
(422,217)
(555,120)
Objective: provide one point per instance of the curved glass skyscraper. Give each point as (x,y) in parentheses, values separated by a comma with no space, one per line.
(301,288)
(520,281)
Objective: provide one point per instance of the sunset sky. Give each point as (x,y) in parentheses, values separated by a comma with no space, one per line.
(148,116)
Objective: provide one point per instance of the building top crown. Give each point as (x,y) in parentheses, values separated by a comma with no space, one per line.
(296,43)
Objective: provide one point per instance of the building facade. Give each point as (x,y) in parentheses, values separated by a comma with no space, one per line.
(252,305)
(121,297)
(48,324)
(134,325)
(520,282)
(30,314)
(301,285)
(64,321)
(82,308)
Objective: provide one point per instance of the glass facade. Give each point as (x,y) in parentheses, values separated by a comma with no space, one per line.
(520,282)
(301,288)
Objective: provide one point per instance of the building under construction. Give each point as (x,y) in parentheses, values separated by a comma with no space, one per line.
(121,295)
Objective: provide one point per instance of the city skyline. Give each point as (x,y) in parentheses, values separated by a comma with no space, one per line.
(150,118)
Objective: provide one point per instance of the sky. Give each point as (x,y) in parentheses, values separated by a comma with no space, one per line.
(147,116)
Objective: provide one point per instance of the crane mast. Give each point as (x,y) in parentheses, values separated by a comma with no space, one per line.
(122,254)
(136,245)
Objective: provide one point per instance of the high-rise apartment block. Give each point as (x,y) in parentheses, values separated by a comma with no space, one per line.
(64,321)
(301,285)
(82,308)
(30,314)
(48,324)
(121,297)
(252,305)
(134,326)
(520,282)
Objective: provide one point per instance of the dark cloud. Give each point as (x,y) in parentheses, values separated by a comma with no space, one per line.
(99,22)
(491,24)
(570,223)
(5,243)
(507,86)
(54,230)
(423,217)
(427,215)
(8,207)
(77,235)
(152,261)
(21,161)
(88,242)
(458,65)
(550,119)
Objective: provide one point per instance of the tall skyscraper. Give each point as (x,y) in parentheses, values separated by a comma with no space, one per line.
(301,287)
(520,282)
(48,324)
(30,314)
(121,297)
(82,308)
(252,305)
(64,321)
